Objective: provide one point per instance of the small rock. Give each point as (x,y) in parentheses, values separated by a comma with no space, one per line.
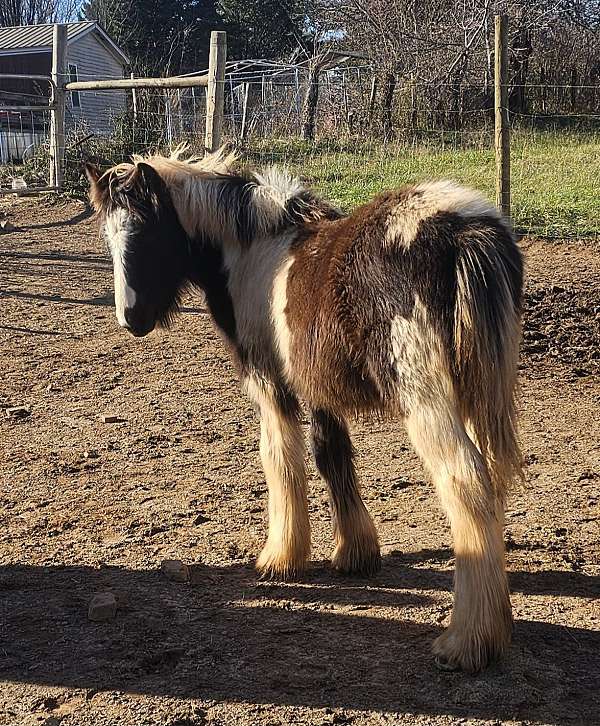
(51,387)
(111,418)
(201,519)
(90,454)
(175,570)
(6,226)
(123,599)
(17,412)
(103,606)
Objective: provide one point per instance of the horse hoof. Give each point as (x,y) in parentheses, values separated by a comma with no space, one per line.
(356,560)
(466,651)
(444,665)
(276,566)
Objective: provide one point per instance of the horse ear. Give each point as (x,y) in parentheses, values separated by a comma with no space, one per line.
(97,187)
(150,184)
(92,172)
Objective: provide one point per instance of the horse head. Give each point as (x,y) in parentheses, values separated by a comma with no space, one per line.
(148,245)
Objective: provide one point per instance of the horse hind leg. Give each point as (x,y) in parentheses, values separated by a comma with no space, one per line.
(356,542)
(481,622)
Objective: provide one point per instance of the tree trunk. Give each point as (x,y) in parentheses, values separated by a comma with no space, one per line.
(389,86)
(309,112)
(574,82)
(522,51)
(372,97)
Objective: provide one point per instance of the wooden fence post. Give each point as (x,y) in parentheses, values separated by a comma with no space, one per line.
(502,138)
(215,90)
(372,97)
(57,117)
(134,102)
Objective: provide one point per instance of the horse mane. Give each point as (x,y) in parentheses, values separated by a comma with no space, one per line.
(173,167)
(240,204)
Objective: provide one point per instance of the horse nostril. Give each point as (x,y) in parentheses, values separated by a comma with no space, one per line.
(129,316)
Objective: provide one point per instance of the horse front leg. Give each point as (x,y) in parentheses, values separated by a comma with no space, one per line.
(282,450)
(356,542)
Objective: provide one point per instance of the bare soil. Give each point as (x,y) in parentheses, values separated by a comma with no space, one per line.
(89,506)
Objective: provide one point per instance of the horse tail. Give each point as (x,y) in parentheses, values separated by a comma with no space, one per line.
(487,334)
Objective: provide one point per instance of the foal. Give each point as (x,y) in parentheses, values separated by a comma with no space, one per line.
(409,307)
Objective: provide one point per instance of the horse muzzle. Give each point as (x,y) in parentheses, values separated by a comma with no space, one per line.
(138,321)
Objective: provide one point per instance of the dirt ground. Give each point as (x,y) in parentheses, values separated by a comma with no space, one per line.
(88,506)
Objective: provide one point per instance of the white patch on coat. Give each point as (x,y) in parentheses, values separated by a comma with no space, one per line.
(429,198)
(278,306)
(252,272)
(417,354)
(117,228)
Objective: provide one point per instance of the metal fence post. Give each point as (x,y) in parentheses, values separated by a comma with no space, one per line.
(502,137)
(245,111)
(57,118)
(215,90)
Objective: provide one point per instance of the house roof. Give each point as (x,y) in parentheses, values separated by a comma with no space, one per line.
(35,38)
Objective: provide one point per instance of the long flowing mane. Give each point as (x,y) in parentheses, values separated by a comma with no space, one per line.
(175,167)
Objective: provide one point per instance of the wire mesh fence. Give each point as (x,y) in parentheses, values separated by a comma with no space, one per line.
(366,138)
(25,103)
(358,151)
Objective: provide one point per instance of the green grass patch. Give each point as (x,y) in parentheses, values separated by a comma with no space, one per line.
(555,182)
(555,174)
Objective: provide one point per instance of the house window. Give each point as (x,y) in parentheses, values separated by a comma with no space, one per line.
(75,99)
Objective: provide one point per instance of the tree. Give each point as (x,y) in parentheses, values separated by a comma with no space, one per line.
(172,36)
(264,28)
(161,37)
(29,12)
(438,54)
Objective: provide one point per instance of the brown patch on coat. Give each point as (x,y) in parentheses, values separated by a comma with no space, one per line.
(341,362)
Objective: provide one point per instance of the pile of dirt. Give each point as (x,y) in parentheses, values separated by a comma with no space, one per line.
(563,324)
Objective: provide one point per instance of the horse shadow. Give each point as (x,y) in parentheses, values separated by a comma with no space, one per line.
(321,642)
(85,213)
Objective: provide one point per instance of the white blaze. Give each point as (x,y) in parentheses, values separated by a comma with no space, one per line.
(117,228)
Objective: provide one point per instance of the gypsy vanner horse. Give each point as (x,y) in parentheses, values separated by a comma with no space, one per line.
(410,307)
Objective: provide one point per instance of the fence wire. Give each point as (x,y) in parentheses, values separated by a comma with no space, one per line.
(364,143)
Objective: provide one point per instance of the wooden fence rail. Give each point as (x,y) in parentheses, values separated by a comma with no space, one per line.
(129,83)
(213,81)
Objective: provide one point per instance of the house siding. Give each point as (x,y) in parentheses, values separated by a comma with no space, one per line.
(99,109)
